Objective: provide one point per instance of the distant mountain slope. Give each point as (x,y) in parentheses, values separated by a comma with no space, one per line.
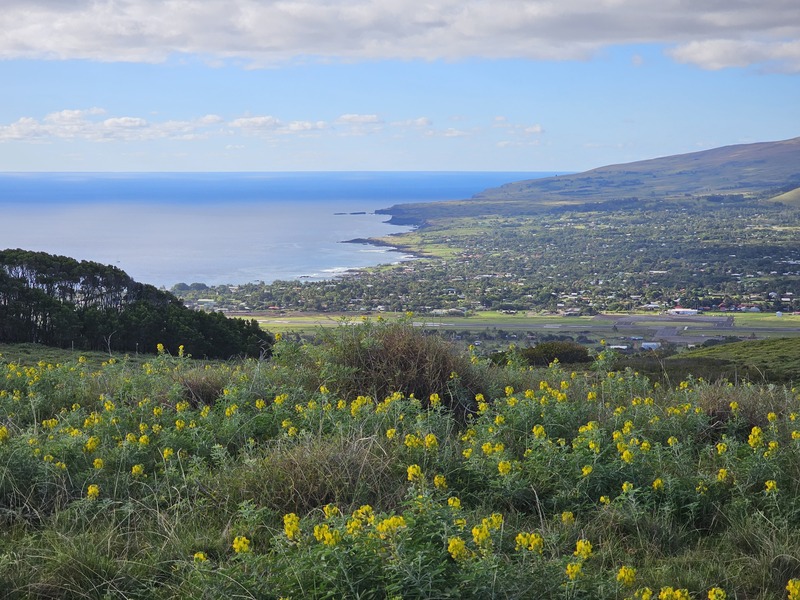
(766,171)
(749,169)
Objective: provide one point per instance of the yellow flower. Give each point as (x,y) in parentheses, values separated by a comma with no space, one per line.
(97,463)
(573,571)
(668,593)
(644,593)
(722,448)
(658,484)
(504,467)
(167,453)
(770,486)
(755,439)
(481,535)
(260,404)
(605,500)
(716,593)
(440,482)
(291,526)
(200,557)
(529,541)
(390,526)
(772,417)
(454,502)
(390,433)
(583,549)
(414,472)
(457,548)
(627,487)
(722,475)
(180,424)
(567,517)
(93,491)
(412,441)
(672,440)
(90,446)
(137,470)
(626,575)
(586,470)
(431,443)
(793,587)
(160,348)
(539,432)
(329,537)
(241,544)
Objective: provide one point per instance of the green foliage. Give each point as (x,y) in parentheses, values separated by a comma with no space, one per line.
(377,358)
(58,301)
(259,479)
(771,360)
(545,353)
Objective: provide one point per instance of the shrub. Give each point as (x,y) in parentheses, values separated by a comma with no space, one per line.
(544,353)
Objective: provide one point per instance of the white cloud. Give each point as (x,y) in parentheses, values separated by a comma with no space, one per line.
(270,32)
(450,132)
(721,54)
(418,123)
(85,125)
(354,119)
(91,126)
(256,124)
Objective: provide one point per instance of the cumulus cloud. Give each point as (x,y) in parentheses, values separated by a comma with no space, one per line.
(418,123)
(95,125)
(265,32)
(354,119)
(89,125)
(721,54)
(450,132)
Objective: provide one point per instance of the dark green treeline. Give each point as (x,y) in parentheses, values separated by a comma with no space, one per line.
(59,301)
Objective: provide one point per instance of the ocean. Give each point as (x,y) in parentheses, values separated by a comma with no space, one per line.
(221,228)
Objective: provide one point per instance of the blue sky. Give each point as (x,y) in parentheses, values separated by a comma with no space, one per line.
(511,85)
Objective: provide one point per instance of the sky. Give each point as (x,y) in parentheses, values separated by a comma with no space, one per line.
(386,85)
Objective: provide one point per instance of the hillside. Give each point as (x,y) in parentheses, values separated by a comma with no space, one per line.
(59,301)
(749,169)
(732,173)
(383,463)
(773,360)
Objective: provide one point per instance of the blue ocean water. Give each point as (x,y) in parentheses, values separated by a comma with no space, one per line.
(217,228)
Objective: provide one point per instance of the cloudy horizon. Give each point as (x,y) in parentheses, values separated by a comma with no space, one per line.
(368,85)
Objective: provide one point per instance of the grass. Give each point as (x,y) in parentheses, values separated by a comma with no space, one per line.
(379,462)
(774,359)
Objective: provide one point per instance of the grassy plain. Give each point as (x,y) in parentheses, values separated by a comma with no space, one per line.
(644,325)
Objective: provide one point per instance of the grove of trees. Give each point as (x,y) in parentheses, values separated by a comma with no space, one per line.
(59,301)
